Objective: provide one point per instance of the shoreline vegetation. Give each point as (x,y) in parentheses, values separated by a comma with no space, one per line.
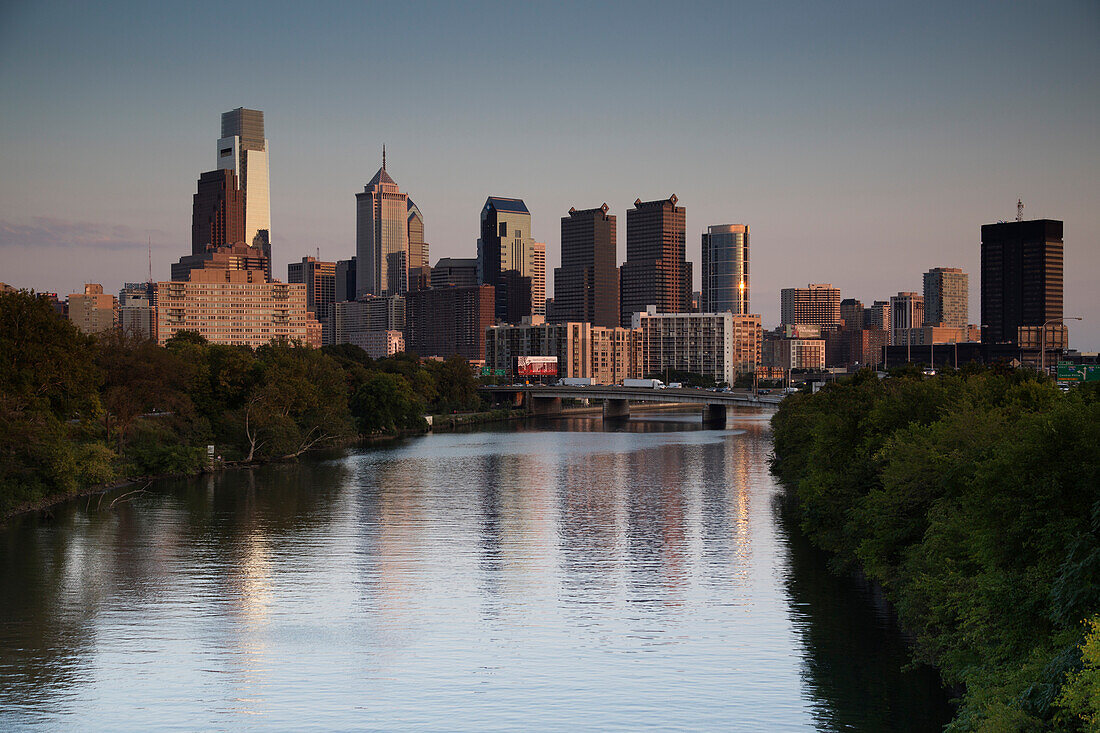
(973,500)
(82,413)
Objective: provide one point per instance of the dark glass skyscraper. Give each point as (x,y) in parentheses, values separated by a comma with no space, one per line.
(1021,277)
(506,259)
(217,212)
(656,271)
(726,269)
(586,286)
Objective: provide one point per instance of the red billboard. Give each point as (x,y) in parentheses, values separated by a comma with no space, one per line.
(536,366)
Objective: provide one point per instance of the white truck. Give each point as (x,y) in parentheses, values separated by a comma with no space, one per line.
(576,382)
(647,383)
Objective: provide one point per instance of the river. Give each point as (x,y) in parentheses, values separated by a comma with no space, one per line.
(555,574)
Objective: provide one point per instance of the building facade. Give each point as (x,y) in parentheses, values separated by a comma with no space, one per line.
(345,280)
(656,271)
(794,353)
(235,307)
(217,212)
(946,297)
(320,281)
(242,149)
(381,237)
(1022,273)
(906,314)
(93,310)
(718,345)
(238,256)
(606,355)
(454,271)
(817,304)
(505,246)
(447,321)
(586,286)
(725,269)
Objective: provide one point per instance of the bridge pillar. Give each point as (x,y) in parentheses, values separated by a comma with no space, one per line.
(714,415)
(545,405)
(616,409)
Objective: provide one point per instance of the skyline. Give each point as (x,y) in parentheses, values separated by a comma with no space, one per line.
(862,146)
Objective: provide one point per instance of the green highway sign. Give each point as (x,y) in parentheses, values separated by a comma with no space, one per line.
(1068,372)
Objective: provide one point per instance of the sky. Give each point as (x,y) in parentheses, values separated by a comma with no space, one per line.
(863,142)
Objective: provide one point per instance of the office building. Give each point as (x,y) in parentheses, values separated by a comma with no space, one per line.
(505,246)
(816,304)
(345,280)
(451,320)
(656,271)
(877,315)
(852,313)
(420,272)
(236,308)
(906,314)
(217,212)
(586,286)
(93,310)
(725,269)
(946,297)
(242,149)
(718,345)
(1022,281)
(382,237)
(137,309)
(454,272)
(320,281)
(238,256)
(606,355)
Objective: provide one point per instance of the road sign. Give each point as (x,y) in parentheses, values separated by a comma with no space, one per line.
(1068,372)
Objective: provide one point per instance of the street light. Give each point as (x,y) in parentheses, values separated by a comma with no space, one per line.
(1043,340)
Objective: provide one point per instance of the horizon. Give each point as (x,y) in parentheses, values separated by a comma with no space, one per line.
(862,146)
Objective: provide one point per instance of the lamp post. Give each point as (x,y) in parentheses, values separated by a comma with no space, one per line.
(1043,340)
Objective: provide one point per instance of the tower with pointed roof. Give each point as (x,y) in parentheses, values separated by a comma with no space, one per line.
(381,236)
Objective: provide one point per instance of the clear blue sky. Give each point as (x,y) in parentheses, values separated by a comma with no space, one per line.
(862,142)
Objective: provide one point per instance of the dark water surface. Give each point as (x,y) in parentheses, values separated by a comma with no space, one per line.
(554,575)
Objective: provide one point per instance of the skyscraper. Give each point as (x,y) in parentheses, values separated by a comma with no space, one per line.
(505,246)
(946,297)
(656,271)
(242,149)
(1021,277)
(906,314)
(726,269)
(420,272)
(586,286)
(817,304)
(217,212)
(381,236)
(320,281)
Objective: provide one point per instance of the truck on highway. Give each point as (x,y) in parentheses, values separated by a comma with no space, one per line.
(576,382)
(647,383)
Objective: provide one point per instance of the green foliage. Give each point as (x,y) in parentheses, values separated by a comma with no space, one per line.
(1079,700)
(974,499)
(385,403)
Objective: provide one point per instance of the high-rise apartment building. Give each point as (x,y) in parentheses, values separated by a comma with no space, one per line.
(217,211)
(382,237)
(906,313)
(718,345)
(656,271)
(242,149)
(239,256)
(320,281)
(851,312)
(505,246)
(351,321)
(454,271)
(236,308)
(946,297)
(877,315)
(817,304)
(726,269)
(586,286)
(1021,278)
(93,310)
(606,355)
(447,321)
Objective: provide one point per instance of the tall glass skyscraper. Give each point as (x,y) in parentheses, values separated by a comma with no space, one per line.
(509,259)
(382,237)
(726,269)
(242,149)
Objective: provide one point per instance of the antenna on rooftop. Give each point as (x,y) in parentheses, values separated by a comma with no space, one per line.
(1019,209)
(150,259)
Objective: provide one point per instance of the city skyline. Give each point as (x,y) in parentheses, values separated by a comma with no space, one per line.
(842,174)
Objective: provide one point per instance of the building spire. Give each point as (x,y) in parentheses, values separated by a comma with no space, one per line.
(383,156)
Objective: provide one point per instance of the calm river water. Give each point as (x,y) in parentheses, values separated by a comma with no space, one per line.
(553,575)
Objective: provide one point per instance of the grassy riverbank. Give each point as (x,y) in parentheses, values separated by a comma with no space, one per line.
(80,412)
(973,498)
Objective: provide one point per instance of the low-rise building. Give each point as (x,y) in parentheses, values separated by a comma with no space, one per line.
(718,345)
(235,307)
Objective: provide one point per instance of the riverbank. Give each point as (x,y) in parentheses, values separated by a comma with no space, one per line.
(969,500)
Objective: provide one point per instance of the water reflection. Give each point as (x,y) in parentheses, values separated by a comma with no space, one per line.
(556,574)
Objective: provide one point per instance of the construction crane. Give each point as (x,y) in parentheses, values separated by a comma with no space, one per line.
(1019,209)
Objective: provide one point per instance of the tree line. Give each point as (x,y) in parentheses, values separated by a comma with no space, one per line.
(973,499)
(79,410)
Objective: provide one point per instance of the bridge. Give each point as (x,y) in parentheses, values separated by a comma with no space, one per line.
(546,400)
